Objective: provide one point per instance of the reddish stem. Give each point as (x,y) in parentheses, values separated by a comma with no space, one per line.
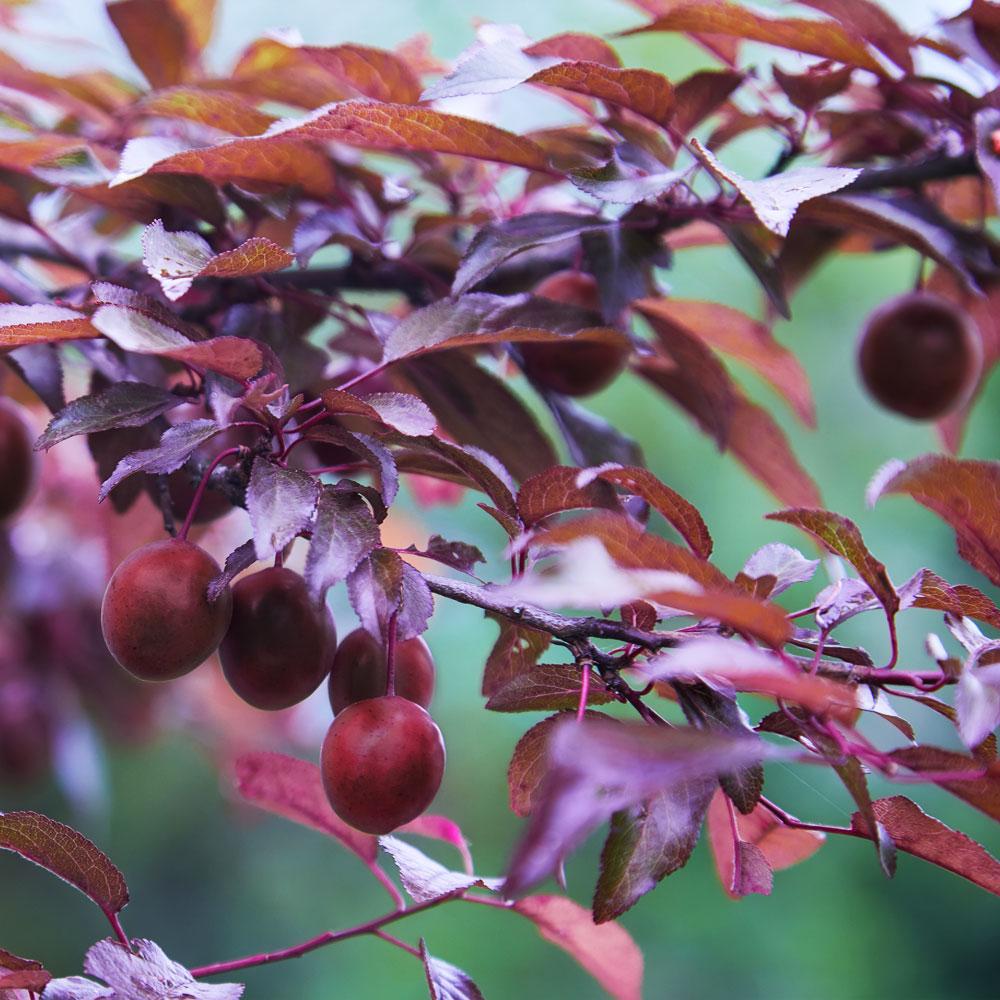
(363,376)
(202,486)
(390,657)
(321,940)
(408,948)
(795,824)
(584,692)
(116,926)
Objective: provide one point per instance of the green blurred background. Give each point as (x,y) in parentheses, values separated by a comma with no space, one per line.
(210,881)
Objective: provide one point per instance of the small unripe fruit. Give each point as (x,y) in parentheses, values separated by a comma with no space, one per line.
(359,670)
(156,617)
(17,460)
(920,355)
(576,368)
(382,763)
(280,643)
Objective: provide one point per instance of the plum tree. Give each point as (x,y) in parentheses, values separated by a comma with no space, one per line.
(577,368)
(382,762)
(156,617)
(17,461)
(920,355)
(280,643)
(359,670)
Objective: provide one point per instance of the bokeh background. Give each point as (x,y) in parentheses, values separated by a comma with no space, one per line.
(211,880)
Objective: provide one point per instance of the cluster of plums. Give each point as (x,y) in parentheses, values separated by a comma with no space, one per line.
(383,756)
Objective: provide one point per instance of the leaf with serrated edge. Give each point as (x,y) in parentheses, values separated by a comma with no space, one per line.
(446,981)
(65,853)
(125,404)
(175,259)
(646,843)
(176,445)
(425,879)
(548,687)
(344,533)
(280,503)
(923,836)
(41,324)
(775,200)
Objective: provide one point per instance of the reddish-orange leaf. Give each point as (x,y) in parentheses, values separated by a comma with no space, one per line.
(873,23)
(826,39)
(930,591)
(575,46)
(701,94)
(760,444)
(841,536)
(41,324)
(176,259)
(22,154)
(782,846)
(516,651)
(274,71)
(606,951)
(156,38)
(373,73)
(198,18)
(973,783)
(642,91)
(403,128)
(633,548)
(278,160)
(923,836)
(962,492)
(227,112)
(294,789)
(556,489)
(744,338)
(236,357)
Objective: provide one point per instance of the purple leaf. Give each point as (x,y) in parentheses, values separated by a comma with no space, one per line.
(441,828)
(841,600)
(780,562)
(39,366)
(64,852)
(293,789)
(481,318)
(591,440)
(145,973)
(647,842)
(606,951)
(500,241)
(367,448)
(752,872)
(548,687)
(446,981)
(383,585)
(176,446)
(280,503)
(620,182)
(776,199)
(241,558)
(424,879)
(515,652)
(406,413)
(344,533)
(598,767)
(125,404)
(495,63)
(459,555)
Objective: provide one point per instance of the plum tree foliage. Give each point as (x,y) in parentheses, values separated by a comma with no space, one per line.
(291,290)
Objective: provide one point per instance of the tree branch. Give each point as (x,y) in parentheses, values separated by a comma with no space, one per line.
(559,626)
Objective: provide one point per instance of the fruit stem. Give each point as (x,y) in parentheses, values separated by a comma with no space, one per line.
(202,486)
(390,656)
